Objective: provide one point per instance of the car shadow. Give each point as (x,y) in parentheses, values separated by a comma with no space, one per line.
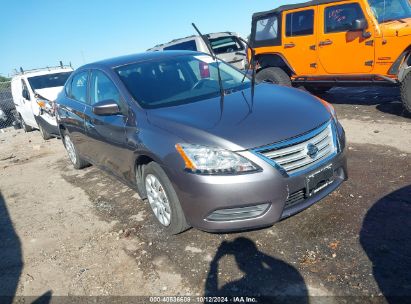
(11,262)
(385,99)
(262,276)
(386,238)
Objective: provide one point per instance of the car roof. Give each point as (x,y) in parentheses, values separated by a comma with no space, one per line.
(294,6)
(41,72)
(134,58)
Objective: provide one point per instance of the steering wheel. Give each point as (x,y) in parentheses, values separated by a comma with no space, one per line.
(200,84)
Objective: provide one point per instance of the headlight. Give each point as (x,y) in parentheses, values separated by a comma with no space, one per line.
(209,160)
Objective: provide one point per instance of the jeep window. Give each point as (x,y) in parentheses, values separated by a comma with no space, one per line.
(300,23)
(102,88)
(186,46)
(48,81)
(226,45)
(340,18)
(179,80)
(389,10)
(79,86)
(266,29)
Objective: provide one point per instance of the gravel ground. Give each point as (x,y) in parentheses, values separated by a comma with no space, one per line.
(67,232)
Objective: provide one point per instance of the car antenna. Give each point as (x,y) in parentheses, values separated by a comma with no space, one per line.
(213,55)
(252,64)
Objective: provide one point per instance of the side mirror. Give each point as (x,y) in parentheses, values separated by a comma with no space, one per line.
(359,25)
(26,94)
(106,108)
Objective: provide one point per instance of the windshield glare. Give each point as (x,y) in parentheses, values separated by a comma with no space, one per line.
(394,9)
(179,80)
(48,81)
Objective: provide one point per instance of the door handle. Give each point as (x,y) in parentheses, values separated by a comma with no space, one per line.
(289,45)
(326,42)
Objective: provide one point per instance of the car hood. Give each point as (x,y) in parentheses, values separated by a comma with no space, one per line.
(49,93)
(397,28)
(277,113)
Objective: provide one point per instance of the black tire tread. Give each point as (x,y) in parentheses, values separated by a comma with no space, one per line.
(275,75)
(178,221)
(405,90)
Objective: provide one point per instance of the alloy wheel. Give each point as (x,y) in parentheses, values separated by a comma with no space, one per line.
(158,200)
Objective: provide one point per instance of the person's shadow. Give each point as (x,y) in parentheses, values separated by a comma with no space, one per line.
(269,279)
(386,239)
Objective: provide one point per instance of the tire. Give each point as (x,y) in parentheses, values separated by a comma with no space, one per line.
(405,90)
(274,75)
(46,135)
(169,205)
(25,127)
(76,160)
(317,90)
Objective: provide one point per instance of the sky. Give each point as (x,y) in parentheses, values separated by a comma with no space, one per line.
(39,33)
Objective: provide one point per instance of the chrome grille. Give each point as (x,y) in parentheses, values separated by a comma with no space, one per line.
(294,156)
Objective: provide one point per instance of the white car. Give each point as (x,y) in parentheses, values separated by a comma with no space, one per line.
(34,93)
(226,45)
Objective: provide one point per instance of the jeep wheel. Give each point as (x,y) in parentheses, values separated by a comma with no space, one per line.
(163,200)
(317,90)
(406,92)
(274,75)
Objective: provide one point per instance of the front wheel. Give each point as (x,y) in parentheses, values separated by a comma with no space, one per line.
(25,127)
(76,160)
(274,75)
(406,92)
(163,200)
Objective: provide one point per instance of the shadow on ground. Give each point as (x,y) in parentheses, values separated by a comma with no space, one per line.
(385,239)
(11,262)
(263,275)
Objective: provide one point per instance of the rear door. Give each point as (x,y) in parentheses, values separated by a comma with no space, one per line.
(229,49)
(342,50)
(106,134)
(300,38)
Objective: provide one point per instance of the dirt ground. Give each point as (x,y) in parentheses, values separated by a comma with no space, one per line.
(67,232)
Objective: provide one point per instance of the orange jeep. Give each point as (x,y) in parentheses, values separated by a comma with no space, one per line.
(324,43)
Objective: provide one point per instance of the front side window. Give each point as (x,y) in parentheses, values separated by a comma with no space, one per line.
(300,23)
(185,46)
(102,88)
(226,45)
(389,10)
(25,89)
(79,86)
(49,80)
(179,80)
(266,29)
(340,18)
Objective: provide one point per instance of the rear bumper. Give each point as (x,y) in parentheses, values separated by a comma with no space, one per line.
(201,196)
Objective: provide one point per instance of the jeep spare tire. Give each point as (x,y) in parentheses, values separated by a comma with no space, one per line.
(406,92)
(274,75)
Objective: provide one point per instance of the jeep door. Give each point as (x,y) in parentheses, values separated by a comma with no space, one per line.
(299,39)
(107,143)
(341,48)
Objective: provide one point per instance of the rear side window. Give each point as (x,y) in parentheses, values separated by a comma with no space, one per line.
(102,88)
(79,86)
(340,18)
(266,29)
(226,45)
(300,23)
(185,46)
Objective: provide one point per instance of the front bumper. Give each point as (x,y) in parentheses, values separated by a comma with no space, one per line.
(200,196)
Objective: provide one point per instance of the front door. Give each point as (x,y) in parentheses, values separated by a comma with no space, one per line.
(342,50)
(107,144)
(299,40)
(26,108)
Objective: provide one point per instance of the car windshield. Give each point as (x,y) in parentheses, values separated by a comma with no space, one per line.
(389,10)
(48,81)
(179,80)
